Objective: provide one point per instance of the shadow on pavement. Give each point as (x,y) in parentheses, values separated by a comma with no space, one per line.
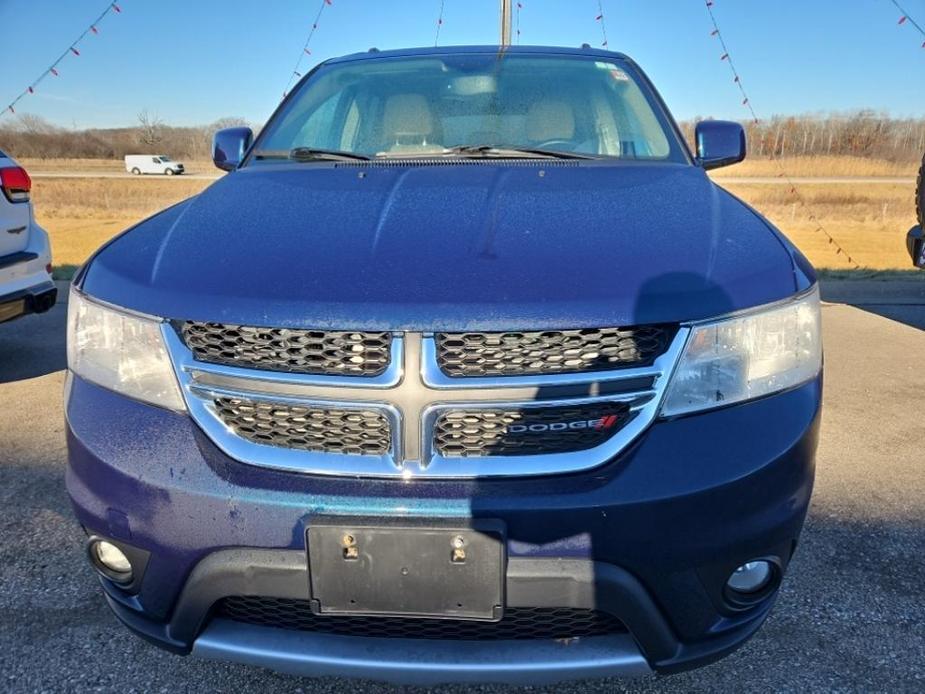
(34,345)
(901,300)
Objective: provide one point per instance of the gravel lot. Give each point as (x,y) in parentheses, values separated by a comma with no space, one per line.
(851,616)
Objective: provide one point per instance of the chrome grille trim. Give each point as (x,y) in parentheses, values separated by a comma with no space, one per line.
(203,410)
(411,394)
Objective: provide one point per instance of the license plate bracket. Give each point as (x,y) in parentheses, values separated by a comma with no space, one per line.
(374,568)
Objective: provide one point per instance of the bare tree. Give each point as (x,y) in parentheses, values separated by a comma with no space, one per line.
(151,128)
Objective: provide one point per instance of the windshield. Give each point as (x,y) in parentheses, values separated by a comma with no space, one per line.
(431,105)
(164,159)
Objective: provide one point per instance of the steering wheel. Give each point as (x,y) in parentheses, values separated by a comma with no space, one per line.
(560,145)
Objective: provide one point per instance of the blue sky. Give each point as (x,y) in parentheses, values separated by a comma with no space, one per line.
(193,61)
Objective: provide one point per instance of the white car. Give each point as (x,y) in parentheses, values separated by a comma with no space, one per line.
(25,255)
(152,164)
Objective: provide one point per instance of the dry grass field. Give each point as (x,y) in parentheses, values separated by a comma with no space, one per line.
(838,167)
(869,220)
(102,165)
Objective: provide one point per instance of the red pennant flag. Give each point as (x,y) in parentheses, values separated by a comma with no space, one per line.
(902,20)
(54,72)
(116,7)
(94,30)
(75,51)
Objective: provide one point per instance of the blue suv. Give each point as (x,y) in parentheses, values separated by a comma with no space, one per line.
(465,371)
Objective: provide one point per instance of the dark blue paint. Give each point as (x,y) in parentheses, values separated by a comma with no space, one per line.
(229,146)
(488,245)
(449,247)
(671,505)
(719,143)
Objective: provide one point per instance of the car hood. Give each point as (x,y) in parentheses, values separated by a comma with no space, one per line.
(487,246)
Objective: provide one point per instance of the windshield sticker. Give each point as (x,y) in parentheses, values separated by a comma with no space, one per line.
(615,72)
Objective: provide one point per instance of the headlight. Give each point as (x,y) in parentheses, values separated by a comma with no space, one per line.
(120,351)
(747,356)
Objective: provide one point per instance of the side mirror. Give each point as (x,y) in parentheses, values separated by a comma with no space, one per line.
(915,242)
(229,146)
(719,143)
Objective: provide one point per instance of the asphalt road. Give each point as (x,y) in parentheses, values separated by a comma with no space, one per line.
(851,616)
(763,180)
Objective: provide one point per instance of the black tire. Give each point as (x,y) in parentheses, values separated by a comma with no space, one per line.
(136,171)
(168,172)
(920,195)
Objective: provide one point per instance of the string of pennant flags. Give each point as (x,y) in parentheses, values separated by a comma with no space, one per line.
(906,18)
(72,51)
(439,23)
(726,57)
(600,19)
(306,50)
(519,7)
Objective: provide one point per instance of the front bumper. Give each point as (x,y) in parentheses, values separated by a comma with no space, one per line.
(649,538)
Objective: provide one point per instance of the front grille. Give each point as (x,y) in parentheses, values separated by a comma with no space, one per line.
(518,623)
(527,431)
(319,352)
(550,351)
(327,430)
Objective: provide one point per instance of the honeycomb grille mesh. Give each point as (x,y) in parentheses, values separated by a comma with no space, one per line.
(551,351)
(518,623)
(327,430)
(326,353)
(527,431)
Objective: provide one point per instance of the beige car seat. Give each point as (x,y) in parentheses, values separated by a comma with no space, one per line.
(408,125)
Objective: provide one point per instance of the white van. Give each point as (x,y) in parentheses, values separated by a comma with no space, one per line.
(152,164)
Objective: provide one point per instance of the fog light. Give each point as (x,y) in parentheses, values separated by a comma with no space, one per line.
(112,561)
(751,577)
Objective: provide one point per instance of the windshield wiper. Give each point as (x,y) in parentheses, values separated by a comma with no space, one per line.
(310,154)
(512,152)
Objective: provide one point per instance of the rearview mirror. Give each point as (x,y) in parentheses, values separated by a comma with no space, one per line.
(915,242)
(229,146)
(719,143)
